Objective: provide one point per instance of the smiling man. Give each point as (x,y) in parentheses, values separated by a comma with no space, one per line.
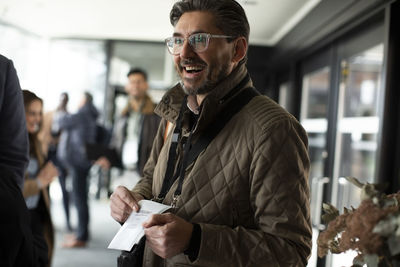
(234,165)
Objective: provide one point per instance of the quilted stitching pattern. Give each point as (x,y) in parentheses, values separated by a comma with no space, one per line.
(250,195)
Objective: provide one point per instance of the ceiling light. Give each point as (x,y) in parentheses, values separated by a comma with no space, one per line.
(247,2)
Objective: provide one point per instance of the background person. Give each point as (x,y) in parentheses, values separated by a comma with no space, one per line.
(19,247)
(50,137)
(77,130)
(39,175)
(13,135)
(135,129)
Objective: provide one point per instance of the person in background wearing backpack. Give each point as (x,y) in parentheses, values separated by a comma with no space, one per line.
(77,130)
(243,198)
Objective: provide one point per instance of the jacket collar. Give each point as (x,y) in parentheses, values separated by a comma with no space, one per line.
(171,102)
(146,107)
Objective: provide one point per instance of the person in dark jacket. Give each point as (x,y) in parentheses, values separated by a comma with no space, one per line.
(137,126)
(19,246)
(77,130)
(13,134)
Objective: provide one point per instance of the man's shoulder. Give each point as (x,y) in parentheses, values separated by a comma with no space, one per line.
(4,67)
(265,112)
(4,61)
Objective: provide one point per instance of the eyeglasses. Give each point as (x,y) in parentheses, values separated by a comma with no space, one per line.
(198,42)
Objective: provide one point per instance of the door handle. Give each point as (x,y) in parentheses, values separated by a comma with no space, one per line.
(317,199)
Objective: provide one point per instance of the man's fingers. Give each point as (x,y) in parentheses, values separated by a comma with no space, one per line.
(127,197)
(158,219)
(120,210)
(123,202)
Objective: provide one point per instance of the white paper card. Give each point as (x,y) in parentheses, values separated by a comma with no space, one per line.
(132,230)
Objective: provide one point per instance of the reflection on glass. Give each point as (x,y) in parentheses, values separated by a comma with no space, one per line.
(283,95)
(314,120)
(358,122)
(314,116)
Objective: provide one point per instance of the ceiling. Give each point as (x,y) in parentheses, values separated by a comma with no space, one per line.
(146,20)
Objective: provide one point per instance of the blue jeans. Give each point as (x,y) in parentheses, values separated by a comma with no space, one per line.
(80,195)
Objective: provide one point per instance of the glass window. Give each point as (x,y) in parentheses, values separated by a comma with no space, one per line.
(152,57)
(314,115)
(358,122)
(76,66)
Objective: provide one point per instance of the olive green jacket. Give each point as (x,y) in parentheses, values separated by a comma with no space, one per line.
(248,190)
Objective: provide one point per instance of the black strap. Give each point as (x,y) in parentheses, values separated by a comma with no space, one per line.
(192,151)
(168,178)
(234,106)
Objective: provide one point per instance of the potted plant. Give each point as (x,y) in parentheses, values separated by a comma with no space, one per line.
(372,229)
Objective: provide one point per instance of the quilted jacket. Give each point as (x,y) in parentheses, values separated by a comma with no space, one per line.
(247,190)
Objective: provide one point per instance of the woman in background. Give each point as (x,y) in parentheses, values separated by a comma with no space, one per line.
(38,176)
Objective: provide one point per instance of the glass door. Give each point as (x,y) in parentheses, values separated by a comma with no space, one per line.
(340,110)
(314,118)
(358,121)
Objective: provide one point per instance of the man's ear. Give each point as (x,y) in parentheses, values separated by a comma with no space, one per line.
(240,49)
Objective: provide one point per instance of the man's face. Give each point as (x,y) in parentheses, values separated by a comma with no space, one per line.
(200,72)
(136,86)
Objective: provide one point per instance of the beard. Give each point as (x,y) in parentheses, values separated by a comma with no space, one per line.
(214,76)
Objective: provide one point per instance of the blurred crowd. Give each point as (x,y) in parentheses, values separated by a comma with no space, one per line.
(37,148)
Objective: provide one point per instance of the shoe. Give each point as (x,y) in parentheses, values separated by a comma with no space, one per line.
(69,237)
(74,243)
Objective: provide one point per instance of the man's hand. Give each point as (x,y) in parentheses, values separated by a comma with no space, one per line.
(104,163)
(123,202)
(167,234)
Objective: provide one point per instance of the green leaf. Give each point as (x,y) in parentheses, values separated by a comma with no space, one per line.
(358,261)
(334,247)
(372,260)
(394,245)
(390,202)
(388,226)
(355,181)
(330,212)
(369,192)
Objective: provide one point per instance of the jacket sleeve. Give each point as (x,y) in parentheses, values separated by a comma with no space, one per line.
(279,197)
(31,187)
(13,134)
(144,186)
(68,121)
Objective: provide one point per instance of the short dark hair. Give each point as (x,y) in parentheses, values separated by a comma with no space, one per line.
(138,71)
(88,97)
(230,16)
